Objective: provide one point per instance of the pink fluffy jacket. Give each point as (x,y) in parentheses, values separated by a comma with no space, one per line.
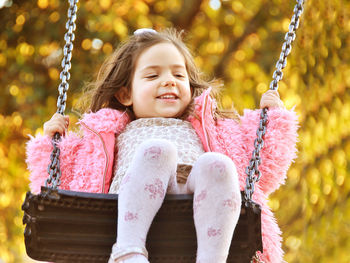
(87,160)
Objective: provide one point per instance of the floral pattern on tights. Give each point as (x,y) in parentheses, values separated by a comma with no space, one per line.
(218,167)
(212,232)
(198,199)
(231,203)
(155,189)
(129,216)
(153,153)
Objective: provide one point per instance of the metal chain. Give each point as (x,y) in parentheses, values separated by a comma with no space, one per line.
(252,170)
(53,169)
(287,45)
(256,258)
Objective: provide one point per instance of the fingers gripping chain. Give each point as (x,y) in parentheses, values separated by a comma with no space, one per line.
(53,169)
(252,170)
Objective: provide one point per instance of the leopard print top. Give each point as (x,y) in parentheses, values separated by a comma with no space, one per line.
(179,132)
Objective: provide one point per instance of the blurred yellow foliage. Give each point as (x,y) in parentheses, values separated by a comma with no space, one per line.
(43,4)
(237,42)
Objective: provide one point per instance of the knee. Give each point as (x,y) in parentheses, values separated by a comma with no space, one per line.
(157,151)
(218,167)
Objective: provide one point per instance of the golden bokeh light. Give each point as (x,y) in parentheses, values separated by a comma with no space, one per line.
(43,4)
(238,44)
(86,44)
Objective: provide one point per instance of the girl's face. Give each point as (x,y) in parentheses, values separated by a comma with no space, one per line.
(160,85)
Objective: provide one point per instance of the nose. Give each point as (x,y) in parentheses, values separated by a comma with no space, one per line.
(168,83)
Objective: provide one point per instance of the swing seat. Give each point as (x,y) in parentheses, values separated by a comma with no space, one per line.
(67,226)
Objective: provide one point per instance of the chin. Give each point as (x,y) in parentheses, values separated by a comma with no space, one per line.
(170,115)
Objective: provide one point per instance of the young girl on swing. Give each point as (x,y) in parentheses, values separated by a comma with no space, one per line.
(153,129)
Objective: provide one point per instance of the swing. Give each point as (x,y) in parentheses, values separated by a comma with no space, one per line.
(68,226)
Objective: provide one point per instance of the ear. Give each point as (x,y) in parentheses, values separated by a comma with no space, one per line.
(123,96)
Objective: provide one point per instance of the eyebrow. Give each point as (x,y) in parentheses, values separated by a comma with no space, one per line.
(157,67)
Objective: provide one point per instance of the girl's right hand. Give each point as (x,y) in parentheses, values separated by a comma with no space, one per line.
(58,123)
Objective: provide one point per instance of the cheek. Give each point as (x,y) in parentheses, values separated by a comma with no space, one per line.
(188,95)
(142,98)
(141,93)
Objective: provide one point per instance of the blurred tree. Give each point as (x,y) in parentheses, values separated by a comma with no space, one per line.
(237,41)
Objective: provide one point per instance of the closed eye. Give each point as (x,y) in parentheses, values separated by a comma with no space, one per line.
(179,75)
(151,76)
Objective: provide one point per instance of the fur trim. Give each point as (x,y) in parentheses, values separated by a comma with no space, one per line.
(279,145)
(106,120)
(38,158)
(83,160)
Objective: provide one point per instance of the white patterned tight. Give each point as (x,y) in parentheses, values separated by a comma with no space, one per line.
(216,205)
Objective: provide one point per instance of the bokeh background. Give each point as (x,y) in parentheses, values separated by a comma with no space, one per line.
(237,41)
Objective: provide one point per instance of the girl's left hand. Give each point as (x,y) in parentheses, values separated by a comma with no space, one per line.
(271,99)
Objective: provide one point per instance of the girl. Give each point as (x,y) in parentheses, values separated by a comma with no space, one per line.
(153,129)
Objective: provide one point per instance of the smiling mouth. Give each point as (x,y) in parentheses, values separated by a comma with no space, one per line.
(168,97)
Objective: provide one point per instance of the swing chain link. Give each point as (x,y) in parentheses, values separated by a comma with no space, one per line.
(53,169)
(67,56)
(287,45)
(256,258)
(252,170)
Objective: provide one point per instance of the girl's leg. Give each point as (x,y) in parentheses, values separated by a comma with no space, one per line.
(142,192)
(216,205)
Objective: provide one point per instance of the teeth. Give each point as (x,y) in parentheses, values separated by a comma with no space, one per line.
(167,97)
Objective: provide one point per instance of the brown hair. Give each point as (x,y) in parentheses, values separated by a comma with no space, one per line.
(118,70)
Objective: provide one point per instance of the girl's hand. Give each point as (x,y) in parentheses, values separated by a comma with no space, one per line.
(271,99)
(58,123)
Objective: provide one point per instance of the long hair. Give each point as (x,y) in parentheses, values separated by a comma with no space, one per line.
(118,70)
